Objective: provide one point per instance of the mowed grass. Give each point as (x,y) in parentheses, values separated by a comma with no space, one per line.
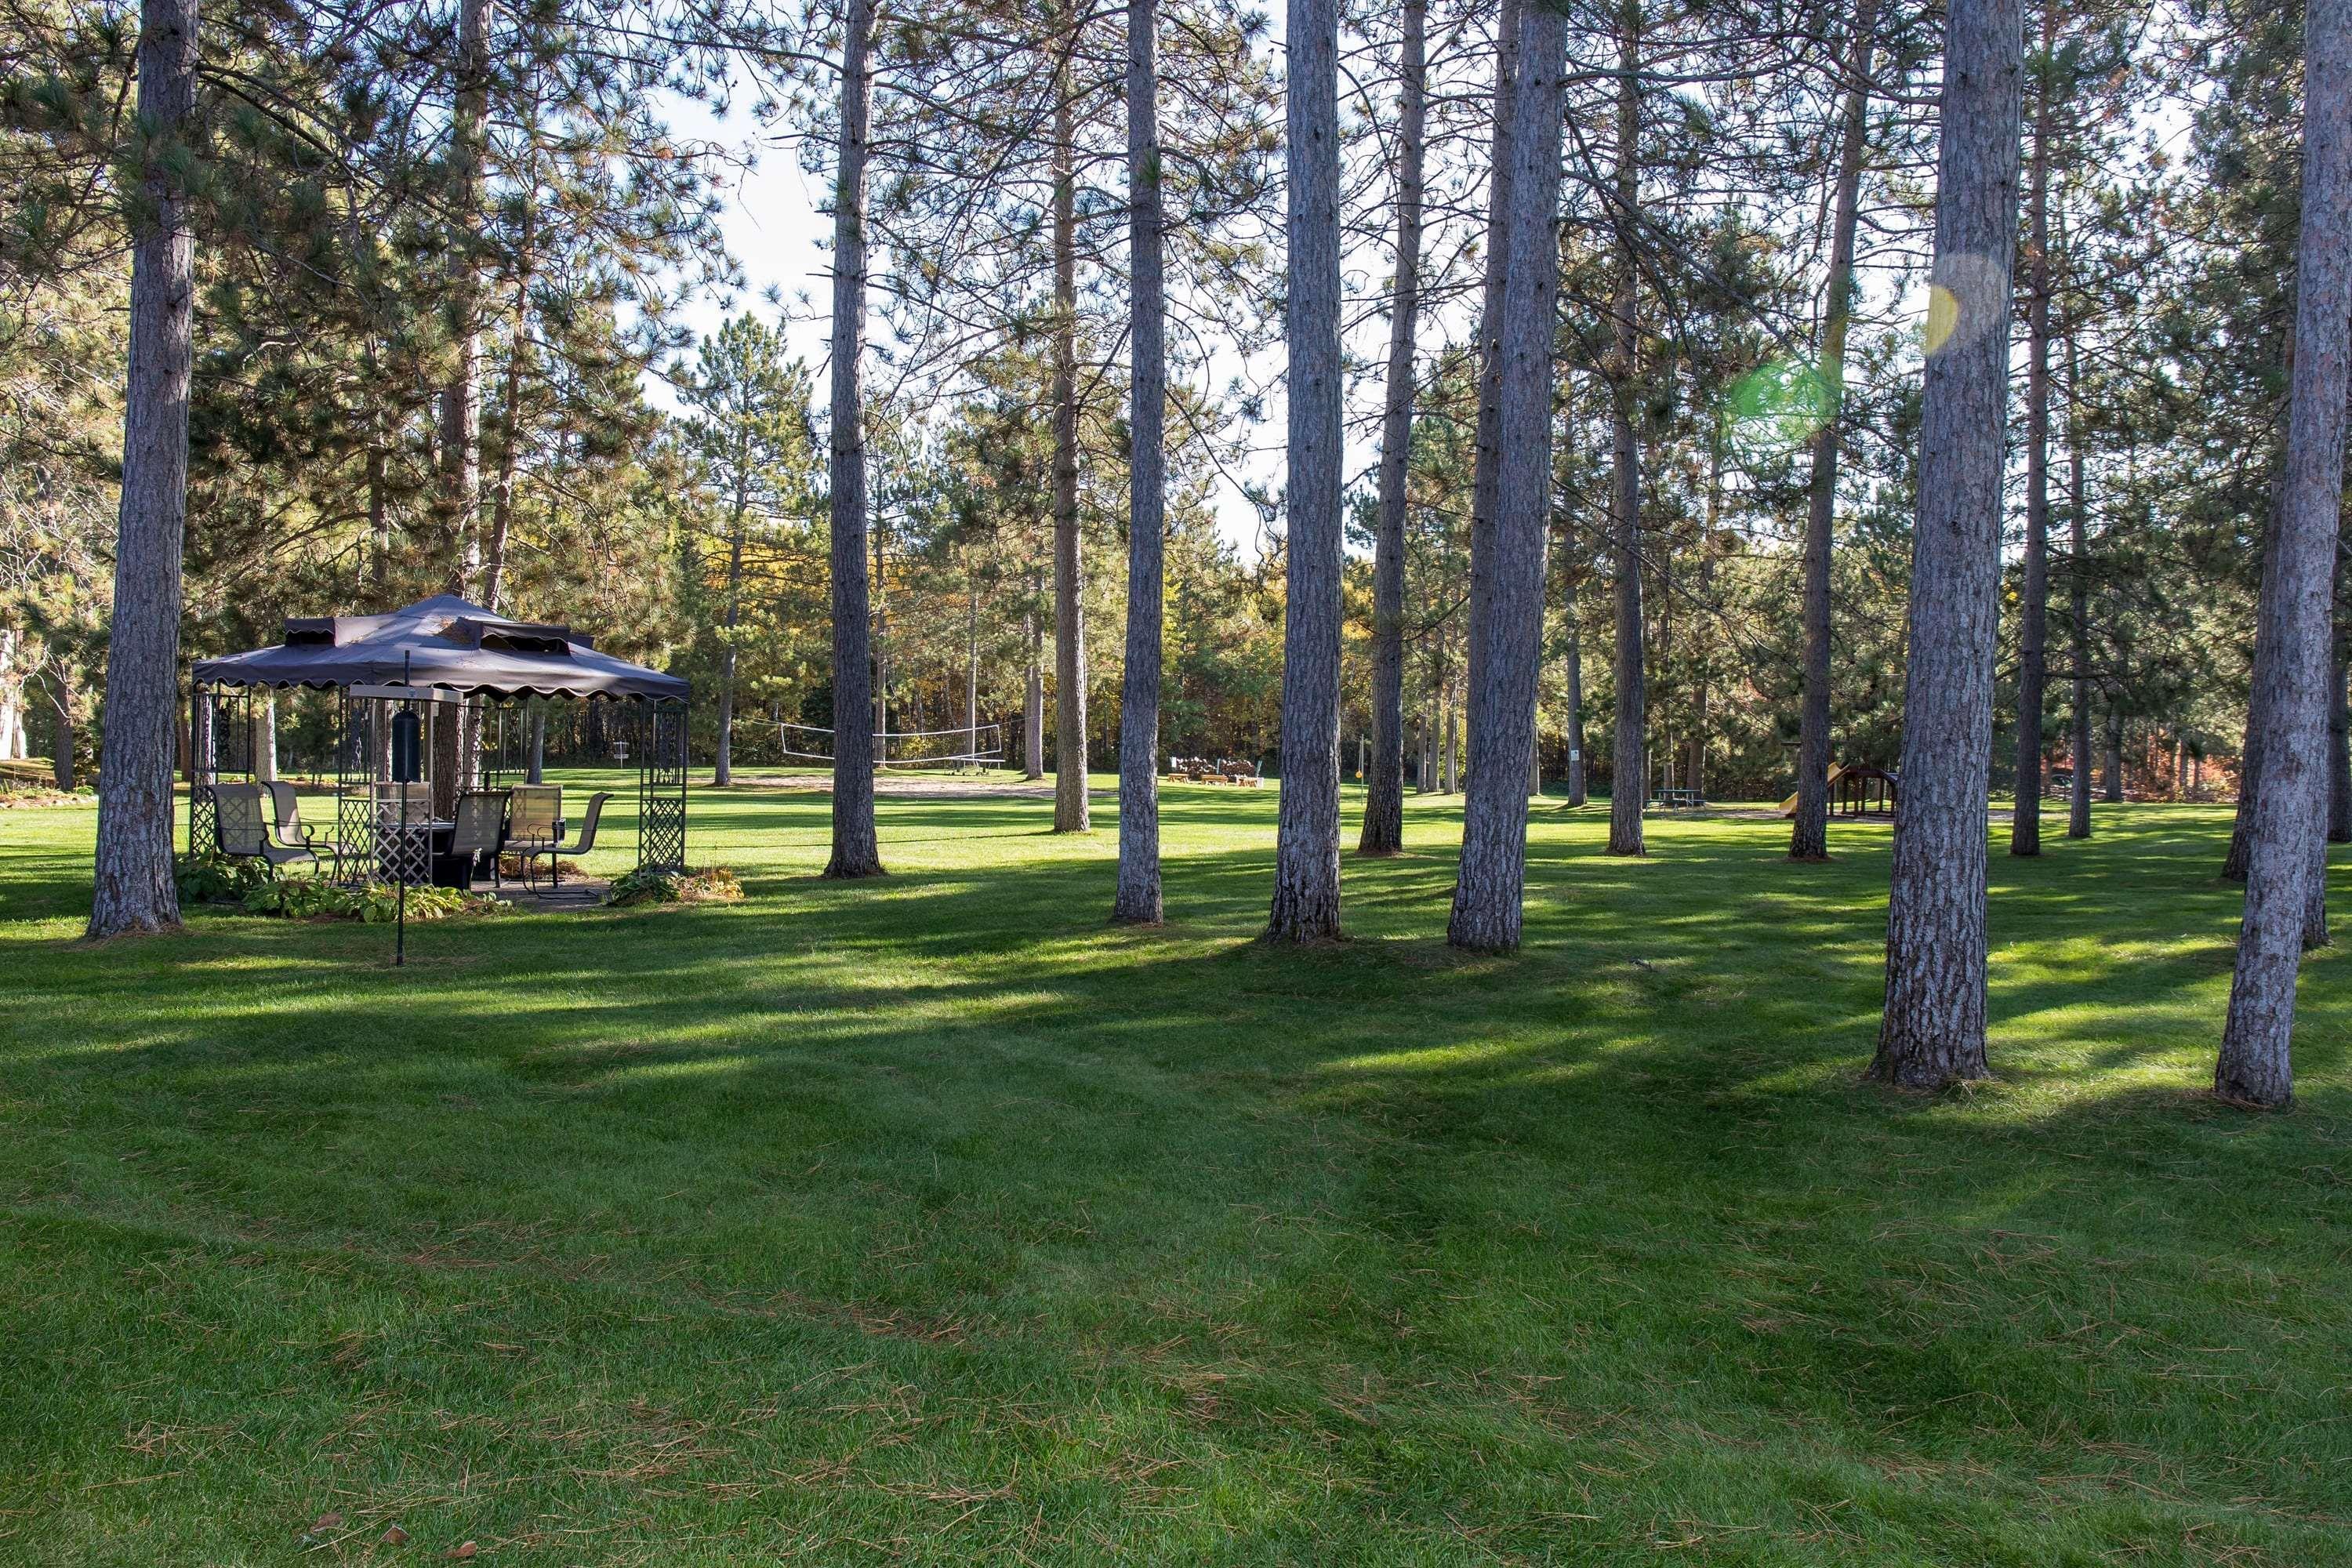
(935,1221)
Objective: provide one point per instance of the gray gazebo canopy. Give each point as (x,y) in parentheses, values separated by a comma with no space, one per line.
(445,642)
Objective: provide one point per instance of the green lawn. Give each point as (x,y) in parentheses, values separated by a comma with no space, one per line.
(935,1221)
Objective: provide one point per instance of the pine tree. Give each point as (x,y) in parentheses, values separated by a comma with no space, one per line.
(1507,554)
(134,890)
(1934,1030)
(748,423)
(1306,850)
(1137,900)
(855,852)
(1384,829)
(1809,834)
(2292,652)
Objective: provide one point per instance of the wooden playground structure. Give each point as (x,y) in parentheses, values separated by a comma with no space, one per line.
(1857,790)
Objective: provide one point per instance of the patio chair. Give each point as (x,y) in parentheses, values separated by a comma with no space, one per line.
(581,846)
(534,817)
(480,830)
(240,833)
(287,830)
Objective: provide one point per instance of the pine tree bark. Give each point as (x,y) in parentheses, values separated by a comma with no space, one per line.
(2292,653)
(1485,469)
(2339,754)
(2078,593)
(1809,834)
(61,751)
(132,888)
(2111,754)
(13,744)
(1138,898)
(2240,856)
(1305,907)
(379,512)
(1629,773)
(461,398)
(2034,610)
(1576,774)
(1934,1031)
(855,852)
(722,767)
(1383,830)
(1507,564)
(1033,704)
(2339,710)
(518,356)
(1070,804)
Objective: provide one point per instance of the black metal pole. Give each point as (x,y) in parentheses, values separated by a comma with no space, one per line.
(400,861)
(400,928)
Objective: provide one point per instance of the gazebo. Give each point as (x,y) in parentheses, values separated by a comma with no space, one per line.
(464,673)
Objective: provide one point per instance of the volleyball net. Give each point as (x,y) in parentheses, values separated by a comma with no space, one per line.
(970,746)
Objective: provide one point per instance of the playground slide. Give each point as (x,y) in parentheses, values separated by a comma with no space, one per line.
(1789,806)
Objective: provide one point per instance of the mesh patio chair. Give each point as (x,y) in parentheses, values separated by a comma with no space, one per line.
(480,830)
(534,817)
(241,833)
(288,830)
(554,852)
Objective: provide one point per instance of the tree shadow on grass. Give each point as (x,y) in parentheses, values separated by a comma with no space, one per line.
(1621,1185)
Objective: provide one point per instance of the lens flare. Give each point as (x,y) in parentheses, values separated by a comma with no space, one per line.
(1943,315)
(1778,406)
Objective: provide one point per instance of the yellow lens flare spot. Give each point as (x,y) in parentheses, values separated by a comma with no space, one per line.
(1943,315)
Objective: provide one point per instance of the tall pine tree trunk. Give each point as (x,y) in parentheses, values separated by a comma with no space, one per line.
(134,889)
(461,398)
(1137,900)
(1809,835)
(13,744)
(1486,469)
(2292,653)
(1032,702)
(1934,1031)
(65,712)
(1576,776)
(519,354)
(379,511)
(1628,783)
(2111,753)
(2339,709)
(855,852)
(1506,567)
(723,768)
(2078,594)
(879,617)
(1305,907)
(1383,832)
(2033,631)
(1070,807)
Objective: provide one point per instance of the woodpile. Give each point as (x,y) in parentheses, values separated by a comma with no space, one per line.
(1219,770)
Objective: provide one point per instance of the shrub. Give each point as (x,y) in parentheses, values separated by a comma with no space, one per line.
(377,903)
(650,885)
(212,879)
